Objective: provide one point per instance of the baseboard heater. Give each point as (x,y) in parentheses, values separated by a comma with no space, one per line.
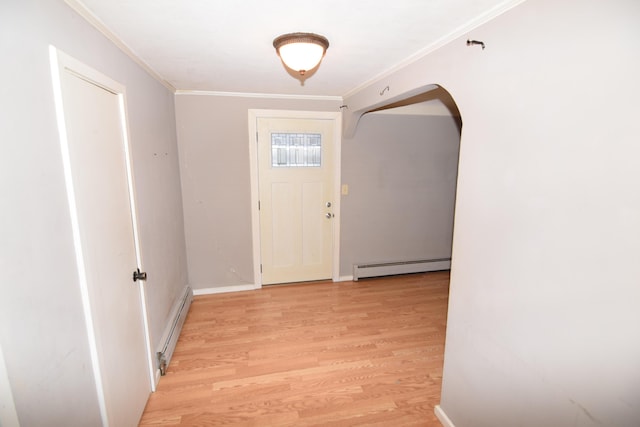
(361,271)
(179,315)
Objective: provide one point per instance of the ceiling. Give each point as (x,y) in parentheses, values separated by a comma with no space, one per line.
(226,45)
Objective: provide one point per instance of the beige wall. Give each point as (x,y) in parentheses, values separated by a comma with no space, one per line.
(543,317)
(42,327)
(213,140)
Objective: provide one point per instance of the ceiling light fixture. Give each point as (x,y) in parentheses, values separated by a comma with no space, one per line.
(301,51)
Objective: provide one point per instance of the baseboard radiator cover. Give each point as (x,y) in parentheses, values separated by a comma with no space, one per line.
(173,333)
(363,270)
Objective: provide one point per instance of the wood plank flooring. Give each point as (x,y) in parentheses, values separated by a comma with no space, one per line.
(365,353)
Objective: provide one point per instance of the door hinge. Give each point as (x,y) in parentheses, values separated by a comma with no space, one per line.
(260,268)
(258,204)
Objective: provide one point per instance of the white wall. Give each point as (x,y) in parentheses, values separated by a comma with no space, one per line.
(213,139)
(8,415)
(544,308)
(42,329)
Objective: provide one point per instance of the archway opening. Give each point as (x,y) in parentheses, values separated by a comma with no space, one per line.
(399,175)
(433,102)
(401,171)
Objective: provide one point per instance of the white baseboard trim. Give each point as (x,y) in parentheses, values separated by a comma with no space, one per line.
(225,289)
(345,279)
(444,420)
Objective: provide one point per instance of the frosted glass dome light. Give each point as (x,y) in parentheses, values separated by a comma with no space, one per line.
(301,52)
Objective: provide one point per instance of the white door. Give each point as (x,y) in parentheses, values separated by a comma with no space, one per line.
(105,246)
(295,167)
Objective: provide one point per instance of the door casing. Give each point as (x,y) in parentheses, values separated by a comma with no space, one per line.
(336,118)
(63,63)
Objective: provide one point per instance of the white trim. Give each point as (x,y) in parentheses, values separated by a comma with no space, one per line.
(142,285)
(8,414)
(442,417)
(337,193)
(458,32)
(60,62)
(92,19)
(253,116)
(147,332)
(255,197)
(345,279)
(225,289)
(259,95)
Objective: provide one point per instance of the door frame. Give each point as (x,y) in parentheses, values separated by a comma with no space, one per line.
(61,62)
(336,117)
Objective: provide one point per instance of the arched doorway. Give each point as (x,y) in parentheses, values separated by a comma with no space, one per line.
(401,166)
(399,179)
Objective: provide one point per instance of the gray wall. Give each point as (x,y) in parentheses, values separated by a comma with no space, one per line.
(214,165)
(543,318)
(401,171)
(42,328)
(393,159)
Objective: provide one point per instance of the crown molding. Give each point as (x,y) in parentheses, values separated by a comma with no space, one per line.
(260,95)
(458,32)
(85,13)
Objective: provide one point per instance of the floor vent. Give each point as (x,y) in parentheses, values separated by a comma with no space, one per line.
(180,314)
(361,271)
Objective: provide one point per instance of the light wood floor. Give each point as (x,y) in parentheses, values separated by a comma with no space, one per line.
(365,353)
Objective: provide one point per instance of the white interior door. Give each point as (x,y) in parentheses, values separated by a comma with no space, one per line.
(101,206)
(295,168)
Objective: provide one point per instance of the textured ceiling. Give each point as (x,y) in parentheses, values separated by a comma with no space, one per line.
(226,46)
